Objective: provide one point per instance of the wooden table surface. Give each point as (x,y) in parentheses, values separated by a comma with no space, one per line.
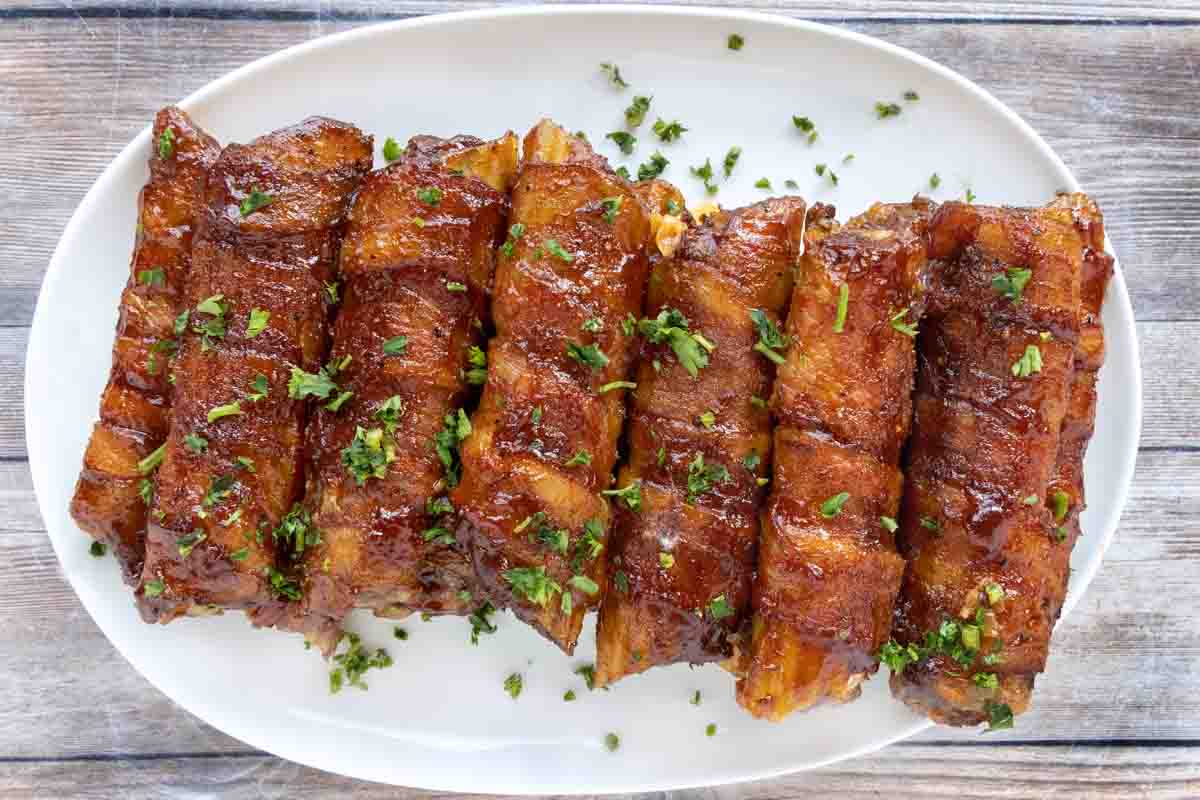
(1115,90)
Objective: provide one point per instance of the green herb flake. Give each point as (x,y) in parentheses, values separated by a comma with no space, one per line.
(188,542)
(253,202)
(98,549)
(614,75)
(703,477)
(1011,284)
(240,554)
(151,462)
(153,588)
(653,168)
(833,506)
(353,663)
(763,183)
(888,524)
(1000,716)
(705,173)
(969,196)
(391,150)
(1029,363)
(612,742)
(228,410)
(621,581)
(608,387)
(395,346)
(569,696)
(719,608)
(668,131)
(430,195)
(899,323)
(589,355)
(368,454)
(195,442)
(666,560)
(151,277)
(885,110)
(711,729)
(770,340)
(735,42)
(935,181)
(625,141)
(257,322)
(635,114)
(1061,503)
(166,144)
(839,324)
(752,460)
(611,206)
(994,593)
(556,250)
(631,495)
(455,286)
(481,621)
(931,524)
(532,584)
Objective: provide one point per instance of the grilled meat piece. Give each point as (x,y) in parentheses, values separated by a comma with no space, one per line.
(111,496)
(681,566)
(1004,409)
(544,438)
(258,293)
(417,263)
(828,571)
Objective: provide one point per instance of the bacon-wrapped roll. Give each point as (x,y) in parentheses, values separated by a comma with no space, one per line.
(262,282)
(416,263)
(993,472)
(828,571)
(699,442)
(544,439)
(112,494)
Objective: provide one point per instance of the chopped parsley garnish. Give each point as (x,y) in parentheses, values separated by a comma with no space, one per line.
(839,324)
(589,355)
(791,184)
(631,494)
(707,420)
(611,206)
(241,554)
(481,621)
(695,698)
(257,322)
(652,168)
(970,198)
(1062,503)
(994,592)
(703,477)
(395,346)
(400,633)
(731,159)
(672,326)
(584,584)
(306,384)
(331,290)
(212,329)
(568,696)
(295,531)
(888,524)
(593,325)
(555,249)
(254,201)
(806,126)
(246,463)
(1012,283)
(535,416)
(187,543)
(614,74)
(531,583)
(769,338)
(624,141)
(146,490)
(1029,362)
(456,427)
(623,171)
(439,535)
(151,277)
(666,560)
(885,110)
(848,158)
(368,454)
(833,506)
(1031,500)
(612,742)
(1000,716)
(705,173)
(1060,534)
(195,442)
(391,150)
(763,183)
(588,545)
(898,323)
(227,410)
(515,232)
(151,462)
(455,286)
(635,114)
(153,588)
(668,131)
(673,208)
(719,608)
(758,402)
(430,195)
(621,581)
(218,489)
(735,42)
(752,461)
(588,673)
(930,524)
(98,549)
(437,506)
(166,144)
(710,729)
(935,181)
(911,96)
(477,361)
(354,662)
(628,325)
(608,387)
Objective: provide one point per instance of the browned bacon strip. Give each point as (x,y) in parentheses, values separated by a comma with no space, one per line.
(417,262)
(1003,411)
(545,435)
(828,571)
(682,564)
(232,469)
(110,500)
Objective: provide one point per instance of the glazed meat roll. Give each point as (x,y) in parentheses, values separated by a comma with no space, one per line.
(544,440)
(113,492)
(828,571)
(1004,409)
(699,441)
(255,329)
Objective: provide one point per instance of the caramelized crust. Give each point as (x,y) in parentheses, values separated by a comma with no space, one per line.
(828,576)
(653,614)
(417,232)
(280,259)
(991,447)
(136,403)
(526,513)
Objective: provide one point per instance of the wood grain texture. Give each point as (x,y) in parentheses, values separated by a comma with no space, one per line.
(1112,88)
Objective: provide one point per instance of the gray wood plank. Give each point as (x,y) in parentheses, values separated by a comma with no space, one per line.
(910,771)
(1118,103)
(370,10)
(1122,667)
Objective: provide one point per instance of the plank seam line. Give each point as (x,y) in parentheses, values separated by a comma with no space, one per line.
(218,13)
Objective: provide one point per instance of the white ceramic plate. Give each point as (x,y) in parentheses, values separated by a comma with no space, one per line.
(439,718)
